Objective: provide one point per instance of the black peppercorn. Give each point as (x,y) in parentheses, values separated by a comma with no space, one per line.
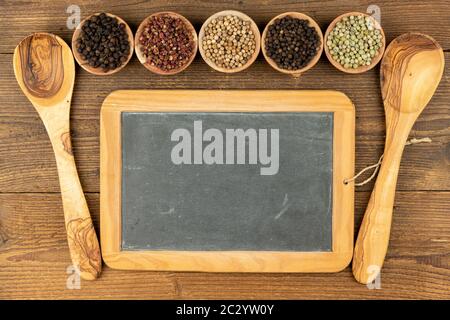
(291,43)
(103,42)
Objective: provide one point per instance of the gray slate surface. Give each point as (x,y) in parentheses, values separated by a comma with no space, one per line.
(227,207)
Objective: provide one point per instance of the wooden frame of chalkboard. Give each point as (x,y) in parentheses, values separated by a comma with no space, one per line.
(227,101)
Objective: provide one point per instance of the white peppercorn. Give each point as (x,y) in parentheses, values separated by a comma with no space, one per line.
(228,41)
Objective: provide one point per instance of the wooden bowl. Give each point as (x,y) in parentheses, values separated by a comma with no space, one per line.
(253,27)
(143,59)
(84,64)
(375,59)
(313,61)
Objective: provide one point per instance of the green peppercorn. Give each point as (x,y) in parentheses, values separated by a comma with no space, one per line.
(354,41)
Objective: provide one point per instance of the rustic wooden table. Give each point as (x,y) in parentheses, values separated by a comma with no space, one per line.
(33,248)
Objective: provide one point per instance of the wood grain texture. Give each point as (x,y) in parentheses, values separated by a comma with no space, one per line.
(410,73)
(45,71)
(34,258)
(227,101)
(41,63)
(33,249)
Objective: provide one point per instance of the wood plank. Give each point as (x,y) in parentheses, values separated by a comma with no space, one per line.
(27,163)
(425,16)
(34,257)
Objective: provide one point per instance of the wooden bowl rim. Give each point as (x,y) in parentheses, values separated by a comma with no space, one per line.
(85,65)
(141,57)
(375,60)
(313,23)
(254,28)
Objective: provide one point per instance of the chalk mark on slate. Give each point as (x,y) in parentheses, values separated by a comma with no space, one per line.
(170,211)
(285,207)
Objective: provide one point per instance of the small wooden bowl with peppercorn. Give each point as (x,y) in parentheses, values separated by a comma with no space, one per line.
(307,43)
(216,47)
(102,44)
(362,59)
(166,43)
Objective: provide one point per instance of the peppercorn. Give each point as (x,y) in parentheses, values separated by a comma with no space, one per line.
(167,42)
(228,42)
(291,42)
(354,41)
(103,42)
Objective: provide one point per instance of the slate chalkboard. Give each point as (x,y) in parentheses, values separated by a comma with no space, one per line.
(169,205)
(227,180)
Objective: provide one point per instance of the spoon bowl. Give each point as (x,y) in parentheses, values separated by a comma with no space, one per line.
(423,60)
(45,71)
(410,73)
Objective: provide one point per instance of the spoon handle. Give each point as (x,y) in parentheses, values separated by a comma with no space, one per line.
(82,239)
(373,238)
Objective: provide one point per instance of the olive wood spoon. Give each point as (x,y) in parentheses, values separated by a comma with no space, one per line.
(410,73)
(45,70)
